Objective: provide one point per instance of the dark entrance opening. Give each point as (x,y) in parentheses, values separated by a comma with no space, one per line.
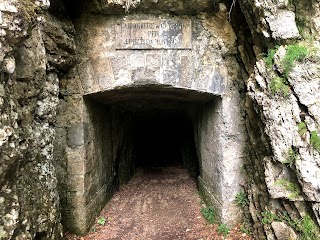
(144,127)
(157,139)
(165,138)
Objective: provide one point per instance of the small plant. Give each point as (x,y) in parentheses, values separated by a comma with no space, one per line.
(102,221)
(223,229)
(292,156)
(241,199)
(244,229)
(308,229)
(294,53)
(279,85)
(284,217)
(315,140)
(209,214)
(270,57)
(290,186)
(302,128)
(268,217)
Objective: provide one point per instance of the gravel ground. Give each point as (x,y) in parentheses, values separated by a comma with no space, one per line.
(157,204)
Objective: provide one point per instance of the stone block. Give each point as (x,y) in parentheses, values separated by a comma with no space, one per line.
(186,71)
(75,200)
(76,183)
(216,84)
(74,218)
(75,135)
(170,77)
(153,61)
(136,61)
(144,76)
(76,167)
(75,155)
(120,69)
(88,72)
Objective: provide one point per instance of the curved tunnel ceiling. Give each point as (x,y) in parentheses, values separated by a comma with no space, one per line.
(151,97)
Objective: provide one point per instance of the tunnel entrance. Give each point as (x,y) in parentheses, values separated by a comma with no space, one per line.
(149,90)
(152,127)
(145,128)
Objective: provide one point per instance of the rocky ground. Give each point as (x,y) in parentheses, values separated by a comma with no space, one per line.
(158,203)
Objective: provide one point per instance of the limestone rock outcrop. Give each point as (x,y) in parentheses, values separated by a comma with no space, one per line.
(285,96)
(33,56)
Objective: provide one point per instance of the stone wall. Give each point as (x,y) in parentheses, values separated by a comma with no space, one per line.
(107,66)
(96,150)
(202,63)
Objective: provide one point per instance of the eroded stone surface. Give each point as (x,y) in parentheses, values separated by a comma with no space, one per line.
(29,96)
(283,232)
(114,67)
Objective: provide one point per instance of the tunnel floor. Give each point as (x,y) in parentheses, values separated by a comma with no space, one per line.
(159,203)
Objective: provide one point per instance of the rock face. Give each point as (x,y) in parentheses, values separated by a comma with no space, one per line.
(29,89)
(287,159)
(254,121)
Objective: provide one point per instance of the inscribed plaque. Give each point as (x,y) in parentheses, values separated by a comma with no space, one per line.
(154,34)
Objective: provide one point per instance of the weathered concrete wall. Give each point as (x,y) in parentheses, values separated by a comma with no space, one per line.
(203,60)
(98,155)
(221,147)
(105,67)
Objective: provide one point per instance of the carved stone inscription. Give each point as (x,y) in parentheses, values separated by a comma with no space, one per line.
(154,34)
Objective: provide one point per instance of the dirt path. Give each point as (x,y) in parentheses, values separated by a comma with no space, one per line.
(157,204)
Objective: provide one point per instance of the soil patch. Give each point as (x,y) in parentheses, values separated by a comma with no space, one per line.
(157,204)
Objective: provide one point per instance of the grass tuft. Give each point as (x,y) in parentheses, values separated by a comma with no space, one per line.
(308,229)
(269,59)
(294,53)
(290,186)
(209,214)
(302,128)
(223,229)
(315,140)
(279,86)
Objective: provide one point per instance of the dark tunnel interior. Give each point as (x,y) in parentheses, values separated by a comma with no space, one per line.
(154,128)
(165,138)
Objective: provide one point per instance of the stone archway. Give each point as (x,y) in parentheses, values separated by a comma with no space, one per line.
(143,62)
